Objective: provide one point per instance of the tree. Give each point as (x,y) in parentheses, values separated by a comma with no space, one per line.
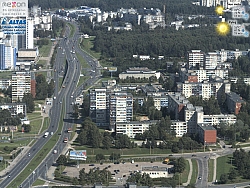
(27,128)
(122,141)
(62,160)
(232,174)
(29,100)
(114,156)
(179,165)
(99,157)
(41,87)
(107,142)
(223,178)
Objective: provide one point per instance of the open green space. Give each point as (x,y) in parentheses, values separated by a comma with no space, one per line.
(43,63)
(5,74)
(210,170)
(44,73)
(39,156)
(72,29)
(35,126)
(46,122)
(39,182)
(87,45)
(124,152)
(83,62)
(34,115)
(184,174)
(223,165)
(82,80)
(45,50)
(195,171)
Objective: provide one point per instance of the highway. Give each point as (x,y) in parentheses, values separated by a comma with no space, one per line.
(63,97)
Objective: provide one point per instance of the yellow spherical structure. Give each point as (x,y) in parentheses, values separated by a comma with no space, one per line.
(219,10)
(222,28)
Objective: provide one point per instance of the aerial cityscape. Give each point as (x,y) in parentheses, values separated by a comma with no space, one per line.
(123,93)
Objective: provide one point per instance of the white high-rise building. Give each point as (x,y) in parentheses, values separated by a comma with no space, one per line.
(195,58)
(29,33)
(21,84)
(211,60)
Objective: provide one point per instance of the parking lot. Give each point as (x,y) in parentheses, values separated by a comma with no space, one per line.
(120,172)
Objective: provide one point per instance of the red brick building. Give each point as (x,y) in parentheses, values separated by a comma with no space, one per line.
(207,134)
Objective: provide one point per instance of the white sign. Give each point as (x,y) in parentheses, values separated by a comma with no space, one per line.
(13,8)
(13,26)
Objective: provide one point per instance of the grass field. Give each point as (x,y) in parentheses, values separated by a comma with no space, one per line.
(43,63)
(34,115)
(195,171)
(35,126)
(87,45)
(45,49)
(83,62)
(184,175)
(72,29)
(39,156)
(123,152)
(223,165)
(46,122)
(38,182)
(210,170)
(82,80)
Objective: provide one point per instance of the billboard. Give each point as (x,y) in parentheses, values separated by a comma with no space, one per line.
(112,69)
(78,155)
(13,26)
(13,8)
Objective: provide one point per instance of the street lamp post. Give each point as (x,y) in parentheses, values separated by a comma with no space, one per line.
(204,145)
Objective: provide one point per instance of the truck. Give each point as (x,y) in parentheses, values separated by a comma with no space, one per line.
(46,134)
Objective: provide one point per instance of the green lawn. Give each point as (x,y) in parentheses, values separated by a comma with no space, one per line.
(46,122)
(184,175)
(72,29)
(38,182)
(124,152)
(39,156)
(45,50)
(35,126)
(82,61)
(43,63)
(210,170)
(82,80)
(34,115)
(195,171)
(87,45)
(223,165)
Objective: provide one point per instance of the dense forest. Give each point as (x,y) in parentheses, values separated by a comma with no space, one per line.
(172,6)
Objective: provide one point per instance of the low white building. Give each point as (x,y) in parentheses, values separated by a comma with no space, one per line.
(133,127)
(157,171)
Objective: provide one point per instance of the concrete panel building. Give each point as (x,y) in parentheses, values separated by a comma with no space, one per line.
(234,102)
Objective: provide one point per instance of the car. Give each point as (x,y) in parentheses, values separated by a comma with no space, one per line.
(170,155)
(199,178)
(29,154)
(92,165)
(193,155)
(8,176)
(51,133)
(71,96)
(60,102)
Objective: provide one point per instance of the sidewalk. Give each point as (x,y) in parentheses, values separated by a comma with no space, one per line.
(15,161)
(190,173)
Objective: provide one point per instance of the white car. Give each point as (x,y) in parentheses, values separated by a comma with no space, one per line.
(71,96)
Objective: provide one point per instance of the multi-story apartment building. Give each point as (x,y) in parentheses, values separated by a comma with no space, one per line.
(133,128)
(2,56)
(203,89)
(196,59)
(211,60)
(21,84)
(99,107)
(120,108)
(220,118)
(139,72)
(176,104)
(5,83)
(234,102)
(180,128)
(193,115)
(201,74)
(14,108)
(227,4)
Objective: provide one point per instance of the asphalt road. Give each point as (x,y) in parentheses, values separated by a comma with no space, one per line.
(63,97)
